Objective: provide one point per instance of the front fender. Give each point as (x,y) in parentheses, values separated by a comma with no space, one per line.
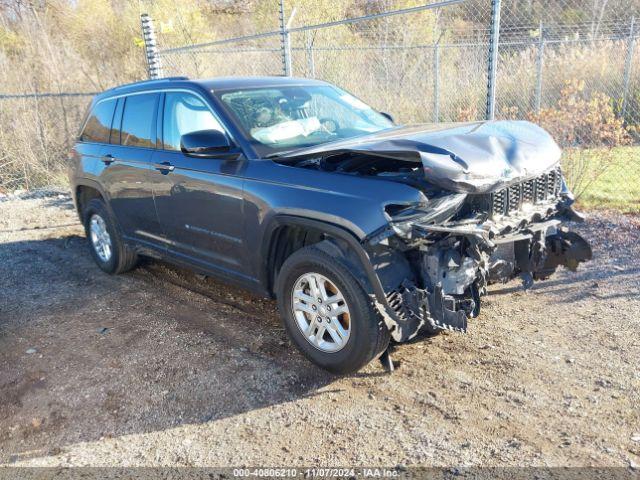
(344,243)
(377,269)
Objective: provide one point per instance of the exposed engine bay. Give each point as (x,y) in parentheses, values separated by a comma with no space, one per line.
(494,203)
(467,242)
(514,232)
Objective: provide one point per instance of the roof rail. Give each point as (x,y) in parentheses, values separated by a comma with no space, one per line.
(146,82)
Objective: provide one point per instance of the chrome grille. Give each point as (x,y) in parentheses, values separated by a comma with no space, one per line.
(498,202)
(541,188)
(528,189)
(514,198)
(511,199)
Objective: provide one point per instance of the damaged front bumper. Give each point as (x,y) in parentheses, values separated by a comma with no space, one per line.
(434,274)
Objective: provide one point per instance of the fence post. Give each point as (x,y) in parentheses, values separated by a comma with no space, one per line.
(539,69)
(628,65)
(436,82)
(150,47)
(285,43)
(493,59)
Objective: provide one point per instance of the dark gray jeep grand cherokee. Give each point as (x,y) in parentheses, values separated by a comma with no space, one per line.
(365,231)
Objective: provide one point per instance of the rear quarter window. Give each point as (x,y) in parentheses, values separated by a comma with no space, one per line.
(98,126)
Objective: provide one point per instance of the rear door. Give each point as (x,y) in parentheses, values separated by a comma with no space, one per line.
(95,137)
(200,203)
(130,176)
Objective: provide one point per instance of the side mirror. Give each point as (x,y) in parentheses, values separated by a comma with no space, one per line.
(205,143)
(387,116)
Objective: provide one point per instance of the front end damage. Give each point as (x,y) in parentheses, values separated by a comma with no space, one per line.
(436,262)
(492,204)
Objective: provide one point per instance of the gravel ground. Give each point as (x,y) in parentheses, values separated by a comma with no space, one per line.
(162,367)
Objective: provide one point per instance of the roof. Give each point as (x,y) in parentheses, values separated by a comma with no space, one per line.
(216,83)
(224,83)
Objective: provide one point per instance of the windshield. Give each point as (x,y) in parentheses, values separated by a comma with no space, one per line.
(284,118)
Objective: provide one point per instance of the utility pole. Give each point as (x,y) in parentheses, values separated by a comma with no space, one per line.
(628,64)
(285,42)
(539,69)
(151,47)
(493,59)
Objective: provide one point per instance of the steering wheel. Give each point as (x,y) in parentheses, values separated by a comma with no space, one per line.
(330,125)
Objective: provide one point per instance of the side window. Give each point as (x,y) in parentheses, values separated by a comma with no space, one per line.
(185,113)
(138,125)
(98,125)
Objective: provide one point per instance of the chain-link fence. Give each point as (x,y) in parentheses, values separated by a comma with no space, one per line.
(37,131)
(580,80)
(420,63)
(571,66)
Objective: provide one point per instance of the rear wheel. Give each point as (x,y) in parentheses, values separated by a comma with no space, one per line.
(327,313)
(105,241)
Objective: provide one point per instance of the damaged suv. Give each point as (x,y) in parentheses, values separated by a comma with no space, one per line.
(365,231)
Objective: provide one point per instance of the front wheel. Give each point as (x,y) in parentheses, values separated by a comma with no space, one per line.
(327,313)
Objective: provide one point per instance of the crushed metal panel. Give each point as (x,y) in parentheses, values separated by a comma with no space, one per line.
(472,158)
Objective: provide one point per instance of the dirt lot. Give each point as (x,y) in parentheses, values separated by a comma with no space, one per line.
(161,367)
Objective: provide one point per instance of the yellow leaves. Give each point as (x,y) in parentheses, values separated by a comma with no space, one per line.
(166,27)
(583,118)
(317,11)
(468,113)
(184,22)
(10,41)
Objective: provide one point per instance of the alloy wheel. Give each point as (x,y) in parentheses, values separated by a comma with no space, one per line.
(100,238)
(321,312)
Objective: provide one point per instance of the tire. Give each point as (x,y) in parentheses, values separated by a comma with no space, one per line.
(368,335)
(121,258)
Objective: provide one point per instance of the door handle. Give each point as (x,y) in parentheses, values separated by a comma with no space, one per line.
(164,167)
(108,159)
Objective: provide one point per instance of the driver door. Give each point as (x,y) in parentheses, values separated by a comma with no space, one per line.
(200,204)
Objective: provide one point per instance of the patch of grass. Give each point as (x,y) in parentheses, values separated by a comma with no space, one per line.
(605,178)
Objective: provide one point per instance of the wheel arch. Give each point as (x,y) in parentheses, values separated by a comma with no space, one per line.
(332,239)
(85,190)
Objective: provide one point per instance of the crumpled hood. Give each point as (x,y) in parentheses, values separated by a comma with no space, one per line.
(471,157)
